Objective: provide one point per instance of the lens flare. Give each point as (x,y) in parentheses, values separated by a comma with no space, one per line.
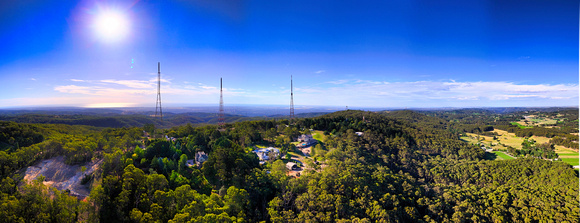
(111,26)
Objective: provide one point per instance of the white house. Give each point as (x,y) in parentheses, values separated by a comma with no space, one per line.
(265,153)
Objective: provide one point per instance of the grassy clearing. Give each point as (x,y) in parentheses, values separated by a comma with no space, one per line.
(567,153)
(318,135)
(502,155)
(522,126)
(571,161)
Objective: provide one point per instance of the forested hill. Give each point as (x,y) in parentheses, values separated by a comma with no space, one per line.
(366,167)
(116,120)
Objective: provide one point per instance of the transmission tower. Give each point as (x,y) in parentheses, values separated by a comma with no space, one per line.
(221,119)
(158,110)
(291,100)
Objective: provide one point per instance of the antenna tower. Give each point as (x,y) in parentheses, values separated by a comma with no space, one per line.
(221,119)
(158,110)
(291,100)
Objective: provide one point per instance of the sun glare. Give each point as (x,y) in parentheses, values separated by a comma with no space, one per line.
(111,26)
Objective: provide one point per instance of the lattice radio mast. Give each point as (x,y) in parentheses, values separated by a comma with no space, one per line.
(291,100)
(221,119)
(158,110)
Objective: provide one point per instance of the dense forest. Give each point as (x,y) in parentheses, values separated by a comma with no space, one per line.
(400,166)
(119,120)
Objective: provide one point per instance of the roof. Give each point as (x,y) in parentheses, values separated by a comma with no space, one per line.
(289,165)
(267,150)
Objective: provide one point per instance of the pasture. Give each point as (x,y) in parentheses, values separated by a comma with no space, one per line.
(502,156)
(505,139)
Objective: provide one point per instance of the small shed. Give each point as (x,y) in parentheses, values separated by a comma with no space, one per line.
(291,166)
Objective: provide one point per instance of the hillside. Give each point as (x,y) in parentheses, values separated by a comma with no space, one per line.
(115,119)
(401,166)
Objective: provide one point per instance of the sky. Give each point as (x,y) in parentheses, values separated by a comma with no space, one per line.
(339,53)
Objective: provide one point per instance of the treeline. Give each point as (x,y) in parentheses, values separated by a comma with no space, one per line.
(536,131)
(569,140)
(14,136)
(120,121)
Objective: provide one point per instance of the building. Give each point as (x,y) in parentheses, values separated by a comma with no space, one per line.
(200,157)
(291,166)
(265,154)
(305,141)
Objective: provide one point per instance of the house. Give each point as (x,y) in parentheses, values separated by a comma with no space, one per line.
(265,154)
(291,166)
(170,138)
(200,157)
(305,141)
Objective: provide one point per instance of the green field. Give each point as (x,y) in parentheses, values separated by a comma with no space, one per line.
(502,155)
(567,153)
(318,135)
(520,125)
(571,161)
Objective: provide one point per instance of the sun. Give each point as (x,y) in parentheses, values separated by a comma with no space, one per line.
(111,26)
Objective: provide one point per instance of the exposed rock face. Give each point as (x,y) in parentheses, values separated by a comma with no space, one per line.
(62,176)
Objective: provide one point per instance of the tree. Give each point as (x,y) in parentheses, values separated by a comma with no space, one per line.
(236,201)
(149,128)
(182,163)
(159,148)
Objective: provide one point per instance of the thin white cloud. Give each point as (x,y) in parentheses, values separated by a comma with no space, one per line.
(163,80)
(77,80)
(338,82)
(73,89)
(32,79)
(319,71)
(131,83)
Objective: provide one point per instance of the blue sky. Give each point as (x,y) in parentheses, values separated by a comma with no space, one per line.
(360,54)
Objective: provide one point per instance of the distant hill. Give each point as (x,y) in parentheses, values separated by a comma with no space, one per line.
(116,119)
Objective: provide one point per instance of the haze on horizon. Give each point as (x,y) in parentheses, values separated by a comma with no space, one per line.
(361,54)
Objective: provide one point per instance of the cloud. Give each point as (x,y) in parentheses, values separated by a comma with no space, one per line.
(523,57)
(438,94)
(338,82)
(352,92)
(73,89)
(32,79)
(120,92)
(131,83)
(319,71)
